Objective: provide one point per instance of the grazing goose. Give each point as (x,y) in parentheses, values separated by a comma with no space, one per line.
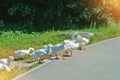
(7,61)
(58,50)
(38,54)
(22,53)
(4,67)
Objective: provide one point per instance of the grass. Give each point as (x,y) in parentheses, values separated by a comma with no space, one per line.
(104,33)
(16,71)
(11,41)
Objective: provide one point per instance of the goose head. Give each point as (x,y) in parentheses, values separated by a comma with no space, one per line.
(74,34)
(91,34)
(88,36)
(45,47)
(65,45)
(10,59)
(32,49)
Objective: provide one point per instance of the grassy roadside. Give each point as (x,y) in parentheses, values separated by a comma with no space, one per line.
(11,41)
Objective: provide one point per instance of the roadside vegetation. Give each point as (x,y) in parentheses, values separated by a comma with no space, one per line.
(35,23)
(11,41)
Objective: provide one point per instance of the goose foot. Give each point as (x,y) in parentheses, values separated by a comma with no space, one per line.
(83,48)
(63,58)
(57,57)
(41,60)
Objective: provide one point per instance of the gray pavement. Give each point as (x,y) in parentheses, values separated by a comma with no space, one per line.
(101,61)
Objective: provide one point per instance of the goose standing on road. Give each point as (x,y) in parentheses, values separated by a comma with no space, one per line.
(83,40)
(39,54)
(71,45)
(58,50)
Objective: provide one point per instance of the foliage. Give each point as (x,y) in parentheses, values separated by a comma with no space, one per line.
(2,24)
(58,14)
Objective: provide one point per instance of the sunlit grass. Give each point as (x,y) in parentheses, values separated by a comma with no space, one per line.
(9,75)
(11,41)
(16,71)
(104,33)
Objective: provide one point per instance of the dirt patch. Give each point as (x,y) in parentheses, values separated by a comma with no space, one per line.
(21,64)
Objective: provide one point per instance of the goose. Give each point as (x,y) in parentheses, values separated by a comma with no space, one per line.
(22,53)
(83,40)
(7,61)
(38,54)
(73,35)
(58,50)
(4,67)
(70,46)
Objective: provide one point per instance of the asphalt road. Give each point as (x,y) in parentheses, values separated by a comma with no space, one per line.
(101,61)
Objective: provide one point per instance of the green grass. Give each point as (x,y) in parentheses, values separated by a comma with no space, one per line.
(11,41)
(103,33)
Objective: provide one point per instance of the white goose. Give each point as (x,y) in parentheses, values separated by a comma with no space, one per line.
(71,45)
(58,50)
(4,67)
(73,35)
(38,54)
(83,40)
(7,61)
(22,53)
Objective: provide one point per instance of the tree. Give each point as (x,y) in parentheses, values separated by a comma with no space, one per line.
(58,14)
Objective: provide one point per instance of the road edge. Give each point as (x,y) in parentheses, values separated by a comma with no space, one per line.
(49,61)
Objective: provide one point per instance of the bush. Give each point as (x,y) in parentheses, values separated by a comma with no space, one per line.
(58,14)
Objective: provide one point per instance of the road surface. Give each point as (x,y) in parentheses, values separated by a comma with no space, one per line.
(101,61)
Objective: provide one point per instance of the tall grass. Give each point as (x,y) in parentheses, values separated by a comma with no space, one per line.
(103,33)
